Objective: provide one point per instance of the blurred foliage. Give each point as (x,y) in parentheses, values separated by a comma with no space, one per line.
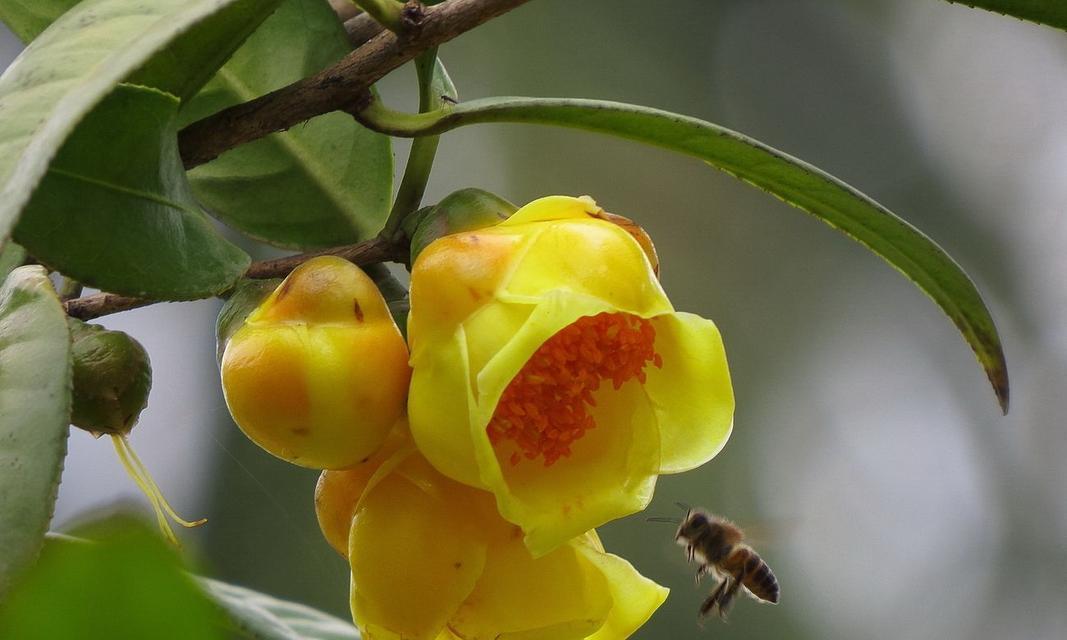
(125,584)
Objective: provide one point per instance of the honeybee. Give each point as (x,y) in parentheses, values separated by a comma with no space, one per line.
(717,545)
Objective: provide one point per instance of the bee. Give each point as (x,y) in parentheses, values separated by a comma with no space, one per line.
(718,546)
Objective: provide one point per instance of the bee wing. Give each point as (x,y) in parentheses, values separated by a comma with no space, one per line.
(770,532)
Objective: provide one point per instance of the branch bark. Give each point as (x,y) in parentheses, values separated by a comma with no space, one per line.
(364,253)
(342,87)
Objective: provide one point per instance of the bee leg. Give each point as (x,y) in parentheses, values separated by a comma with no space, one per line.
(702,571)
(713,599)
(689,552)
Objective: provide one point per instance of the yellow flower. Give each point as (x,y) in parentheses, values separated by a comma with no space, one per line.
(432,559)
(318,374)
(550,369)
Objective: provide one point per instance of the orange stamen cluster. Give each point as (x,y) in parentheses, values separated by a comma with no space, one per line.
(545,408)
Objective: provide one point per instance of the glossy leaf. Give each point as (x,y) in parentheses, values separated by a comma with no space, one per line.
(127,584)
(28,18)
(793,181)
(324,183)
(124,220)
(257,616)
(1050,12)
(174,45)
(35,385)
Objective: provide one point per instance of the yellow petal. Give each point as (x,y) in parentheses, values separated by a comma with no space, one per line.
(552,208)
(691,394)
(324,290)
(414,558)
(560,596)
(439,405)
(338,492)
(634,597)
(586,256)
(452,278)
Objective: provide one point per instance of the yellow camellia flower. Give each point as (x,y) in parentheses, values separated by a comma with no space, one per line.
(318,373)
(432,559)
(550,368)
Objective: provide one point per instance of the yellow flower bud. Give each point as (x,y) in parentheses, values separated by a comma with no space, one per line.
(550,369)
(432,559)
(318,373)
(338,491)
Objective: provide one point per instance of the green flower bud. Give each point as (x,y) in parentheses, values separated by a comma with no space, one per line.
(112,378)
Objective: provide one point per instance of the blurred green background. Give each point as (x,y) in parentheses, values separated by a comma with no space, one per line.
(889,495)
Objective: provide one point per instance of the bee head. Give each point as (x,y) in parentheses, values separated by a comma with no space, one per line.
(695,521)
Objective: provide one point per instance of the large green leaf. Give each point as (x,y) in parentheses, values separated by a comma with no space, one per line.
(123,219)
(173,45)
(127,584)
(257,616)
(34,413)
(324,183)
(792,180)
(27,18)
(1050,12)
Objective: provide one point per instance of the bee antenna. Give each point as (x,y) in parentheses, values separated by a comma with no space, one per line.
(661,519)
(683,506)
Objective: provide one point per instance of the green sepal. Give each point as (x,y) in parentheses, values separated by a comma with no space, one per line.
(246,296)
(463,210)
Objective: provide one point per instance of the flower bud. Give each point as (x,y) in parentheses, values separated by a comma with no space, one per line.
(318,373)
(112,377)
(111,380)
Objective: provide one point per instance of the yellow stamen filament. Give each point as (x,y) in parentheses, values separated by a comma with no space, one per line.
(140,475)
(545,408)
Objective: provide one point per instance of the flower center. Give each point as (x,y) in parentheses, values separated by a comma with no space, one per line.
(545,408)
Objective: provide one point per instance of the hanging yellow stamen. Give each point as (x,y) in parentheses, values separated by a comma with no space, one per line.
(140,475)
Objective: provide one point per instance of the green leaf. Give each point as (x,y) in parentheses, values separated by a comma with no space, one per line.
(793,181)
(28,18)
(127,585)
(123,220)
(324,183)
(11,256)
(34,413)
(1050,12)
(261,617)
(173,45)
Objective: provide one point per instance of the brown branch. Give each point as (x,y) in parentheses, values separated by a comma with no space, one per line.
(361,28)
(342,87)
(364,253)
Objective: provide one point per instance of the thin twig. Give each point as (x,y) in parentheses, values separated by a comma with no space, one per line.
(342,87)
(364,253)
